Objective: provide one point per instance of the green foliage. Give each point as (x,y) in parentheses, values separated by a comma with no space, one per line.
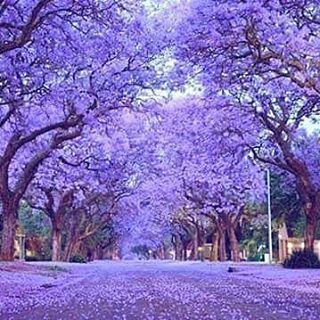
(36,226)
(286,205)
(142,251)
(34,223)
(298,228)
(258,257)
(255,233)
(78,258)
(103,238)
(254,258)
(302,259)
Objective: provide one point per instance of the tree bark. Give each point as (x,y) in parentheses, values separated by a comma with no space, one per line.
(222,246)
(161,252)
(215,247)
(184,253)
(56,243)
(311,200)
(72,240)
(178,247)
(98,253)
(195,254)
(234,244)
(8,232)
(222,240)
(70,249)
(57,219)
(310,232)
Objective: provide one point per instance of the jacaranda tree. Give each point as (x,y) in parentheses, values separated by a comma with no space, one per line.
(64,66)
(263,56)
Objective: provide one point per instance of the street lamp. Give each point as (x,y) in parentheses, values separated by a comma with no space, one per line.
(269,217)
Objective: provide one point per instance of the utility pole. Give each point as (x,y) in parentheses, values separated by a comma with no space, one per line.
(269,217)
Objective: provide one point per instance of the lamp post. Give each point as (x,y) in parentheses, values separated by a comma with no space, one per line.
(269,217)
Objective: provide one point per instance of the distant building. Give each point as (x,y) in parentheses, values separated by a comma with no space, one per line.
(287,244)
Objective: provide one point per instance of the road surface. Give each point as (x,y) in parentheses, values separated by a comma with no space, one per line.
(157,290)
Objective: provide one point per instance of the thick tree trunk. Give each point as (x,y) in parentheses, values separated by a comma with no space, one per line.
(8,233)
(310,232)
(56,243)
(184,253)
(311,198)
(70,249)
(90,255)
(178,247)
(215,247)
(195,253)
(72,241)
(222,246)
(162,254)
(234,244)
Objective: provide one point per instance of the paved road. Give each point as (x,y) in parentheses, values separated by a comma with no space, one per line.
(165,290)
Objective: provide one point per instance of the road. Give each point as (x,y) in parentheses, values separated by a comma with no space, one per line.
(157,290)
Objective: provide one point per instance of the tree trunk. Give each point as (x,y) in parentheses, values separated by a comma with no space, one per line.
(195,253)
(215,247)
(311,199)
(178,247)
(222,246)
(310,231)
(162,253)
(56,243)
(98,253)
(184,253)
(90,255)
(8,233)
(234,244)
(72,241)
(70,249)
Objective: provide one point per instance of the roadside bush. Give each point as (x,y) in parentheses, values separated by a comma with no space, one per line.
(32,258)
(257,257)
(302,259)
(78,258)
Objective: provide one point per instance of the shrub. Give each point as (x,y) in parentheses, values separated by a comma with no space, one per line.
(78,258)
(32,258)
(257,257)
(302,259)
